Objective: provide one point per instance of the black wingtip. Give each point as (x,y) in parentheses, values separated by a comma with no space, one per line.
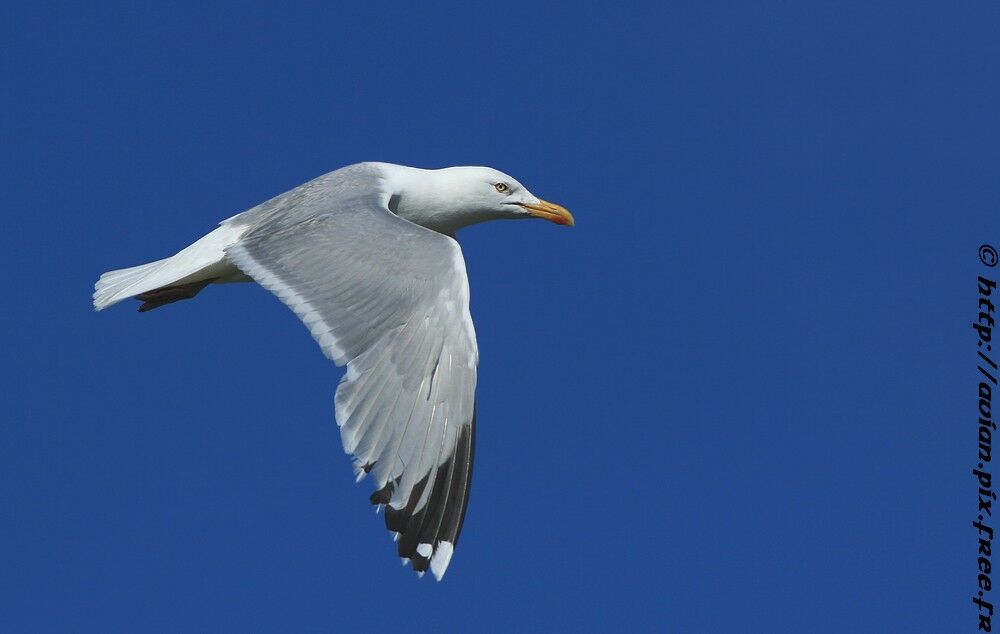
(440,519)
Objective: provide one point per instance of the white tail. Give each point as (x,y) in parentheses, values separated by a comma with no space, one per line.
(114,286)
(203,261)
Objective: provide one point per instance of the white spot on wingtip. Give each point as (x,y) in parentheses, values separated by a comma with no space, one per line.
(425,550)
(420,574)
(404,561)
(395,537)
(441,559)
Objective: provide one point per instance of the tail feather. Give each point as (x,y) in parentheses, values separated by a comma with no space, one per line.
(114,286)
(174,278)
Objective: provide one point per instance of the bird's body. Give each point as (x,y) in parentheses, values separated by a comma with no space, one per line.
(366,257)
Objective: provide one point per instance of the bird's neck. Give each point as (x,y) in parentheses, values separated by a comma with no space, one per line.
(428,198)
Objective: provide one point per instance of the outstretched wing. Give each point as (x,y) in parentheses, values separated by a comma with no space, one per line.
(389,299)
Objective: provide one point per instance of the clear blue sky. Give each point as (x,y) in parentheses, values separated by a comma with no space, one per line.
(738,396)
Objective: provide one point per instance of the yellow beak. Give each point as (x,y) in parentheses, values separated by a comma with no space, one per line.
(551,212)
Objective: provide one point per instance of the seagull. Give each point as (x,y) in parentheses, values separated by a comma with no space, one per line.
(366,256)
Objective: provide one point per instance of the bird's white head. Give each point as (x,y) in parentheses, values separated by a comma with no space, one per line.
(448,199)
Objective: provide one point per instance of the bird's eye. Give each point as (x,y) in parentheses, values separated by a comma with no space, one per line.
(503,188)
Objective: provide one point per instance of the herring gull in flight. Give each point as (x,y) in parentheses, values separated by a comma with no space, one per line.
(366,256)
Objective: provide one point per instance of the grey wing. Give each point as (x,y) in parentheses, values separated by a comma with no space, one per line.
(390,300)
